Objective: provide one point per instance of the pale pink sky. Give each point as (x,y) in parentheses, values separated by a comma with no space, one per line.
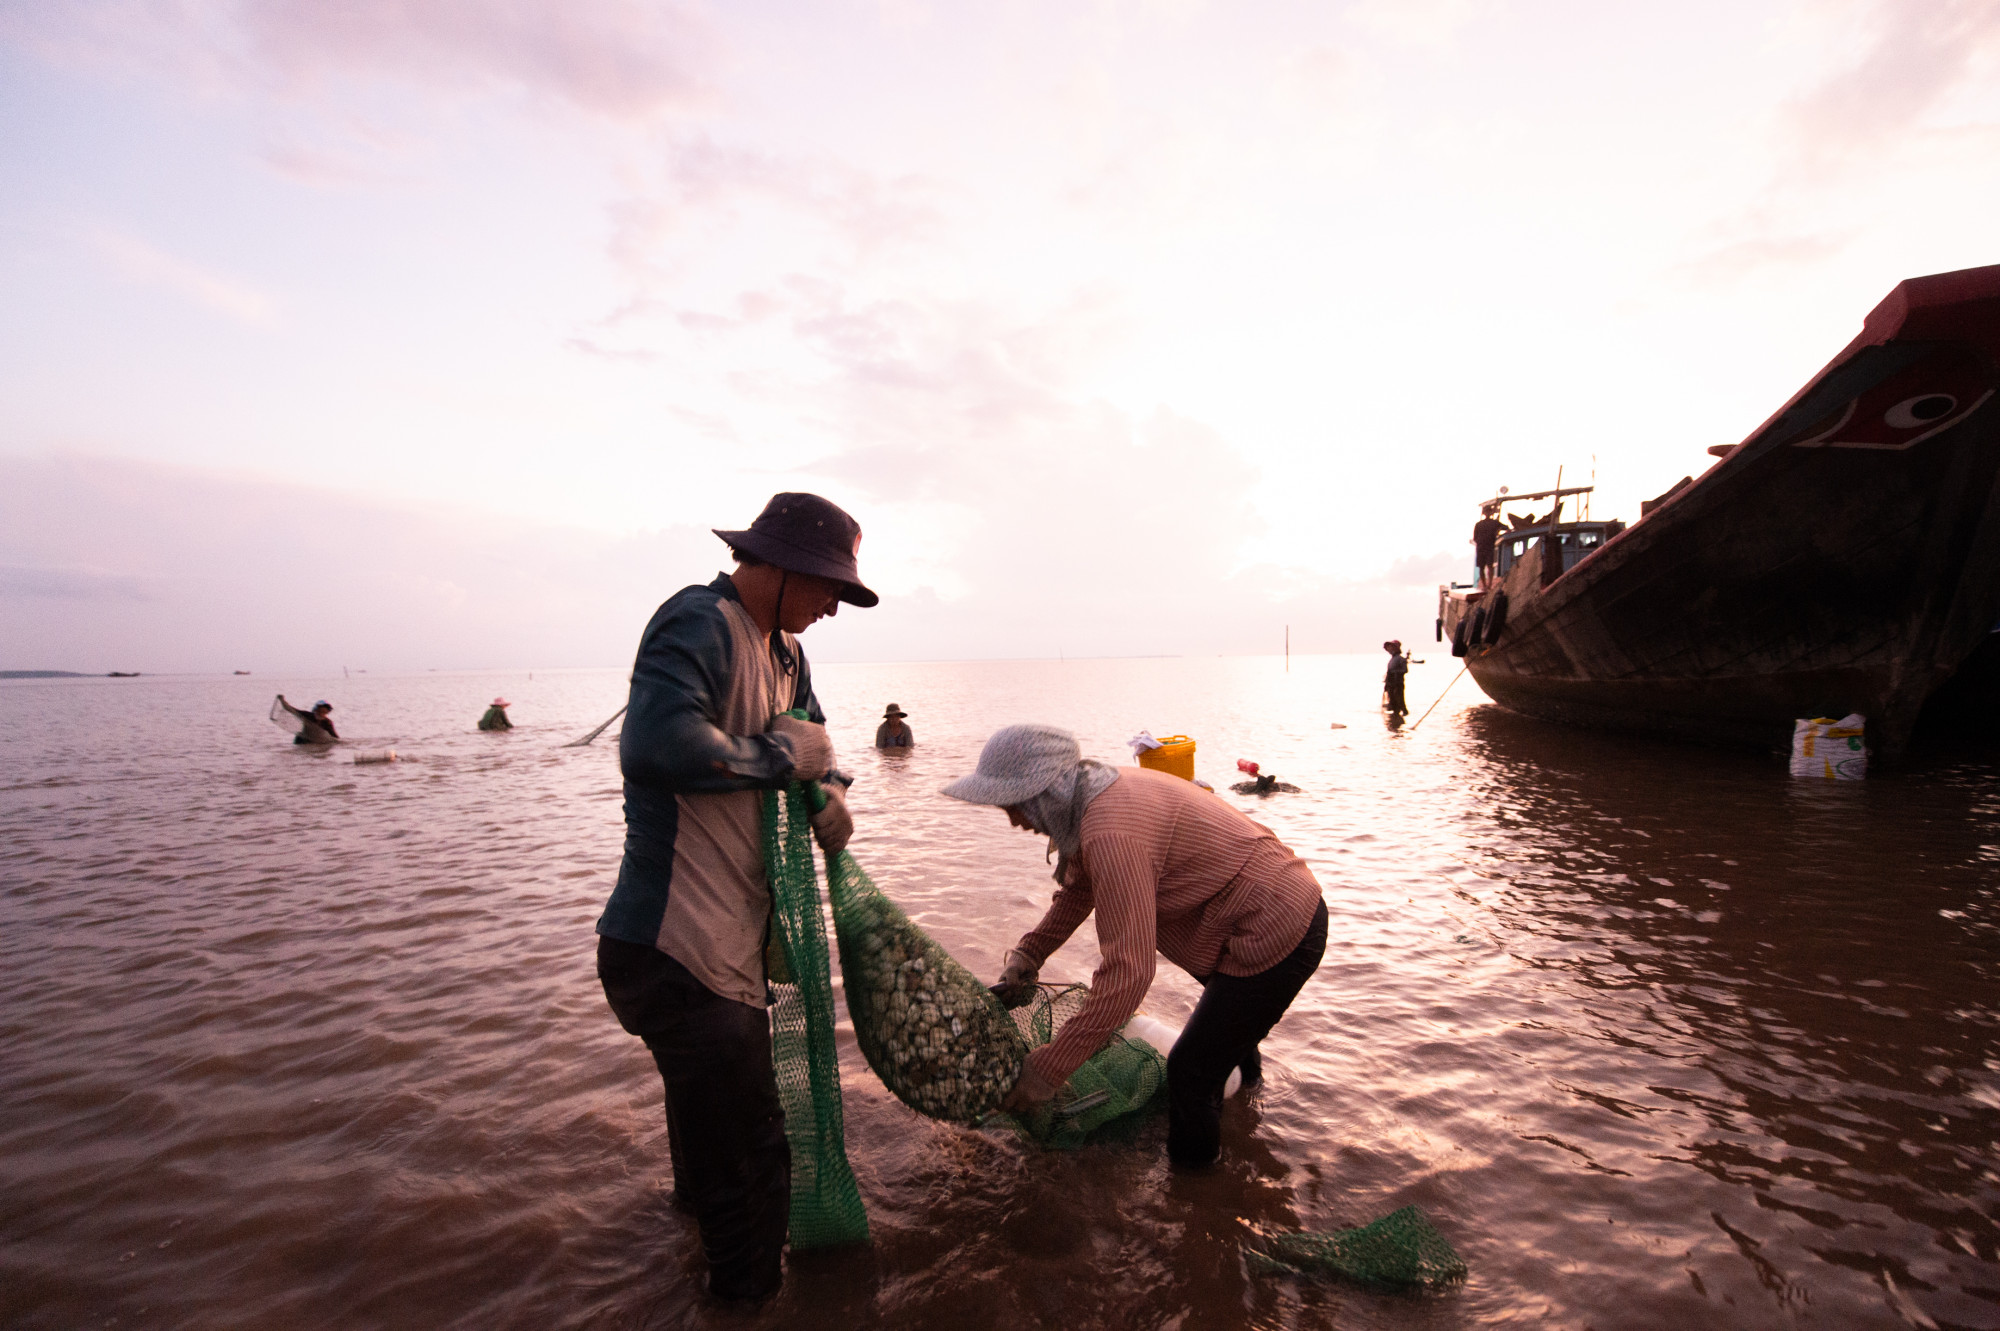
(1122,327)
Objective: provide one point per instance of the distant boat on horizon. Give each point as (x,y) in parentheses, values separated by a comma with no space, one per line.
(121,674)
(1843,558)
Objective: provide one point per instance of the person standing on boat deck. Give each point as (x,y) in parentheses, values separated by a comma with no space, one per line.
(1485,544)
(1392,679)
(1169,870)
(893,733)
(496,716)
(681,943)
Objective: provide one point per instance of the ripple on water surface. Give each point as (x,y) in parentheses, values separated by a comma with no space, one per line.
(1656,1036)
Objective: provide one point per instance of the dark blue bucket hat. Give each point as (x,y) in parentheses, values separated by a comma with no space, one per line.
(803,533)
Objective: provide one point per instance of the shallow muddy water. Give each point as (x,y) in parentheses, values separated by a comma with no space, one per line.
(1657,1037)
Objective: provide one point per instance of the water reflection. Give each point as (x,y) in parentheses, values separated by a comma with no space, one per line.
(1657,1036)
(1786,988)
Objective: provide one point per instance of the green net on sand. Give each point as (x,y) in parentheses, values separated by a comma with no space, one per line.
(1401,1251)
(1117,1081)
(931,1030)
(826,1204)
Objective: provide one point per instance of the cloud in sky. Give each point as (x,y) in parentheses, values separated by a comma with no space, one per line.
(73,584)
(143,262)
(1102,317)
(625,59)
(109,564)
(1914,57)
(113,564)
(1902,94)
(621,58)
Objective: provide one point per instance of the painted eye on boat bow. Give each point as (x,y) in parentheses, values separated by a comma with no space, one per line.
(1909,406)
(1913,412)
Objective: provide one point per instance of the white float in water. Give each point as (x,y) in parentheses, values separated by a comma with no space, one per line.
(375,756)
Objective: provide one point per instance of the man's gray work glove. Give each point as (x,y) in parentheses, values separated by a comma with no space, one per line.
(811,751)
(1018,980)
(833,825)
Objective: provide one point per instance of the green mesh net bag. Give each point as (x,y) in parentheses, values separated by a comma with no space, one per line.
(935,1035)
(1401,1251)
(826,1204)
(1116,1082)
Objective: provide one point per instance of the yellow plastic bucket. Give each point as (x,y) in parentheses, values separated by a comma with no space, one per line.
(1175,757)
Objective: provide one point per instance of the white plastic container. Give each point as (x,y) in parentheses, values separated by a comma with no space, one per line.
(375,756)
(1162,1037)
(1830,750)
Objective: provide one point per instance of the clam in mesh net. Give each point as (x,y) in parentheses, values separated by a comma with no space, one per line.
(826,1204)
(1119,1080)
(1401,1251)
(931,1030)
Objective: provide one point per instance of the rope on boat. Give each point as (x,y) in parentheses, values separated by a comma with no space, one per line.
(1440,698)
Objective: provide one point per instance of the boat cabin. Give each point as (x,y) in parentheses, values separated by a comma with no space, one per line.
(1471,615)
(1576,540)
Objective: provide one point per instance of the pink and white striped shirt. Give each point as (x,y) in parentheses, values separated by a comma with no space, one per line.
(1167,866)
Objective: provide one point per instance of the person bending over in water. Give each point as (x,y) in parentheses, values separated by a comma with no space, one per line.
(1164,865)
(316,726)
(496,716)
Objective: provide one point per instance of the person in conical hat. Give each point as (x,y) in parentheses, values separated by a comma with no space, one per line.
(681,943)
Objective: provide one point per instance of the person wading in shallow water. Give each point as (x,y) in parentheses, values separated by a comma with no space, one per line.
(316,726)
(894,732)
(681,943)
(1164,865)
(496,716)
(1392,679)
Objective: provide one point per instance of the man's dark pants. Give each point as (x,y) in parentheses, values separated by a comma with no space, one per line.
(1234,1014)
(1394,687)
(725,1123)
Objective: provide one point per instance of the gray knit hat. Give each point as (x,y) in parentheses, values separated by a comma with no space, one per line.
(1018,763)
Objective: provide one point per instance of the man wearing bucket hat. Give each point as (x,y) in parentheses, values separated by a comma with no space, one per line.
(894,733)
(1167,867)
(681,942)
(496,716)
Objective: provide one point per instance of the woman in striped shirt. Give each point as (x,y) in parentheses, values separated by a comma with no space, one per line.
(1169,869)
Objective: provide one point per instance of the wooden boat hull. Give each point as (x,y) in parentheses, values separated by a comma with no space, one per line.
(1843,558)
